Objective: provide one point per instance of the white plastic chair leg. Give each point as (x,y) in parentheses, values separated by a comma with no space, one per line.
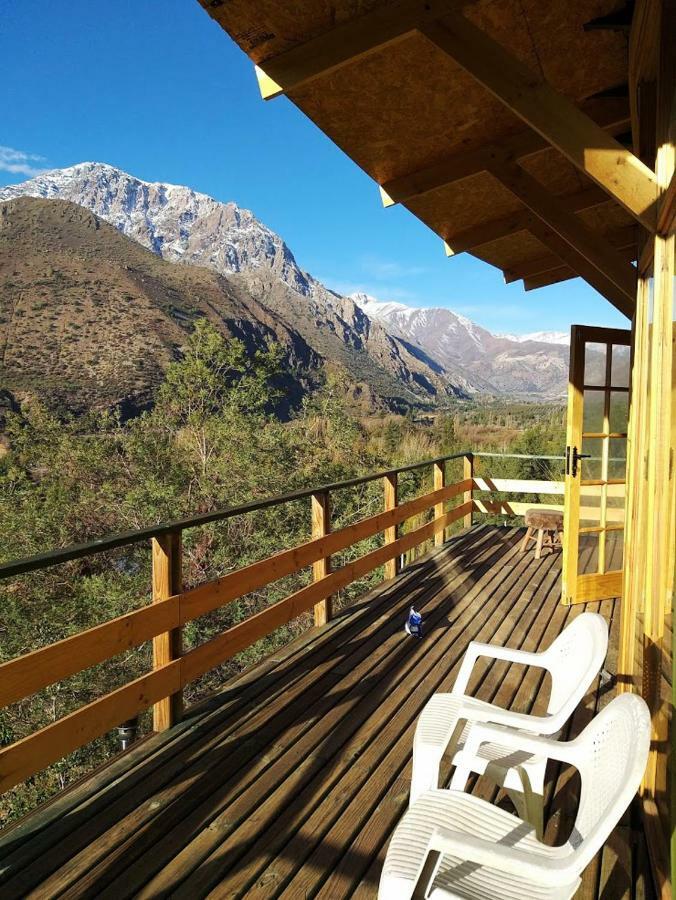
(425,772)
(529,808)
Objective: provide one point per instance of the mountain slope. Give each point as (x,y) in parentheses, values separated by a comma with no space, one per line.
(404,355)
(492,363)
(89,318)
(187,227)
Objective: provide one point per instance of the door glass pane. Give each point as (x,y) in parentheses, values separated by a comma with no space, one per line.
(588,554)
(620,366)
(590,506)
(591,468)
(619,411)
(592,412)
(615,504)
(617,458)
(614,550)
(595,364)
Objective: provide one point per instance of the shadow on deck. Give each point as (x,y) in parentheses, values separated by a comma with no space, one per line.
(290,781)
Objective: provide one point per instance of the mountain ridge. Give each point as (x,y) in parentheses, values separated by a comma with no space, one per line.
(501,365)
(187,227)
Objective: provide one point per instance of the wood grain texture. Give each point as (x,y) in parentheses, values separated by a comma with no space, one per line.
(167,580)
(390,501)
(321,526)
(308,806)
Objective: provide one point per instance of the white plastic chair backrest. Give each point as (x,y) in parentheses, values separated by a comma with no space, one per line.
(611,755)
(574,660)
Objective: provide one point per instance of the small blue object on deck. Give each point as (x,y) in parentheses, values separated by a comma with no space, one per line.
(413,624)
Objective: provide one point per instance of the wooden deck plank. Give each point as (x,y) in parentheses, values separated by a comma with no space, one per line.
(290,781)
(201,772)
(227,850)
(208,731)
(365,802)
(346,874)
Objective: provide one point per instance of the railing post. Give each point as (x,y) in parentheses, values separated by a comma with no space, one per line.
(321,525)
(390,498)
(468,473)
(167,581)
(439,482)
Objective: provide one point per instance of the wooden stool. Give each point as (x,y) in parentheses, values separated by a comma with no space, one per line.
(549,526)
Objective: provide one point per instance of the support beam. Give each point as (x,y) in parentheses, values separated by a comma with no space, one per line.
(346,43)
(519,220)
(439,476)
(555,276)
(390,498)
(615,169)
(612,115)
(582,249)
(321,526)
(167,582)
(623,239)
(575,266)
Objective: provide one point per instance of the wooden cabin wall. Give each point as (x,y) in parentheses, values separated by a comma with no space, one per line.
(646,655)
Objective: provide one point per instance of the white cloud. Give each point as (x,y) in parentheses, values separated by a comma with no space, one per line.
(20,163)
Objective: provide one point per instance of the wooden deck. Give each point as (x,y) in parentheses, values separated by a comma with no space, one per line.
(289,782)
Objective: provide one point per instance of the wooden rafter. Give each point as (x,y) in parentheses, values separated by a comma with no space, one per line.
(520,220)
(614,168)
(592,256)
(346,43)
(623,239)
(577,262)
(545,279)
(612,115)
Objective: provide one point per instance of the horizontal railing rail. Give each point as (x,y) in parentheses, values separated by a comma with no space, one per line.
(138,536)
(172,607)
(162,621)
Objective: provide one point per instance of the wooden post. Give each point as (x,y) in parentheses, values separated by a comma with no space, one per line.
(468,473)
(167,581)
(321,525)
(439,482)
(390,485)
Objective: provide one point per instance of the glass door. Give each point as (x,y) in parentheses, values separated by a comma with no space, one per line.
(596,463)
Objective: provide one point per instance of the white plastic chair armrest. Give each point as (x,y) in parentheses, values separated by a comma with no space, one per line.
(484,733)
(498,716)
(477,649)
(546,870)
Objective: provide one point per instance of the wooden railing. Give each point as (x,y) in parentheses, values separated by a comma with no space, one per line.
(172,607)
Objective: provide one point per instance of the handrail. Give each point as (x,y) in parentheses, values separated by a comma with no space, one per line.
(124,539)
(172,606)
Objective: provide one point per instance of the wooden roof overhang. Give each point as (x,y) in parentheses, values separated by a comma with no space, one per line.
(503,125)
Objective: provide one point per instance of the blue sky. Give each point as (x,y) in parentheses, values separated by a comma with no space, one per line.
(159,90)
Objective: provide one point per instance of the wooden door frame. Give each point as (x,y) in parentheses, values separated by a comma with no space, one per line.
(578,588)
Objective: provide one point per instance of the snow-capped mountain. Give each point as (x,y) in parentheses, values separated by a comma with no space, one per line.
(499,364)
(430,353)
(175,222)
(189,228)
(542,337)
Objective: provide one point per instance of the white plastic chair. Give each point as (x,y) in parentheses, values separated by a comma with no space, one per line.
(574,659)
(452,845)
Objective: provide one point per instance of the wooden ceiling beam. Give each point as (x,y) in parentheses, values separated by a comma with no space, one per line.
(576,265)
(545,279)
(614,168)
(586,244)
(346,43)
(623,239)
(520,220)
(582,249)
(612,115)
